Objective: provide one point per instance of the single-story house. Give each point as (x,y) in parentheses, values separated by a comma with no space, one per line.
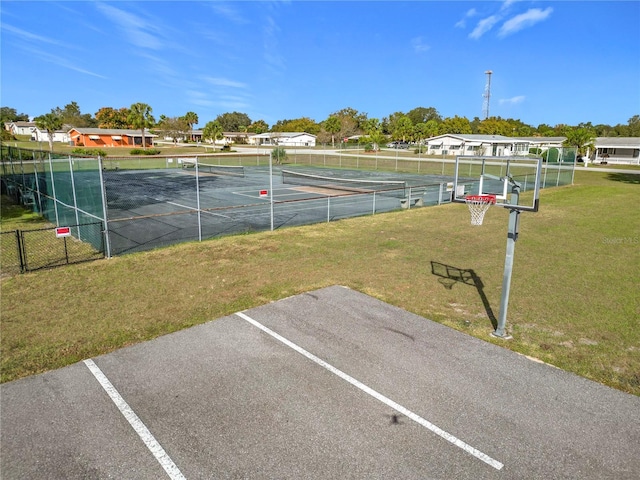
(109,137)
(22,128)
(61,135)
(544,143)
(285,139)
(622,150)
(474,144)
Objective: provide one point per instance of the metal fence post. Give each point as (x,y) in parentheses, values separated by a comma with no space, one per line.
(107,240)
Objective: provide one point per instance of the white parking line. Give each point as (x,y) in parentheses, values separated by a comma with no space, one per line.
(145,435)
(378,396)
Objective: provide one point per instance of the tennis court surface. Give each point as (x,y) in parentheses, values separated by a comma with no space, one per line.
(331,384)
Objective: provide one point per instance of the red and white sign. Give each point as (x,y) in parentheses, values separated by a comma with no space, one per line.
(264,193)
(63,232)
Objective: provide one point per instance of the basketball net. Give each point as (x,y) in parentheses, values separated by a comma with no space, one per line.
(478,206)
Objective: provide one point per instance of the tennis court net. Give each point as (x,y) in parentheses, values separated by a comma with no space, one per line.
(354,185)
(234,170)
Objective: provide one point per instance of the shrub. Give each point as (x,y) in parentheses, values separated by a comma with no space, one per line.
(89,152)
(142,151)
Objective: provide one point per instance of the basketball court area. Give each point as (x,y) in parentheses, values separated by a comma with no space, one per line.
(330,384)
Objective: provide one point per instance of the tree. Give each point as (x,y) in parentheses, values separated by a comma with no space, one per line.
(71,115)
(258,127)
(373,128)
(634,126)
(49,122)
(108,117)
(332,125)
(279,154)
(8,114)
(192,119)
(231,122)
(581,138)
(351,121)
(304,124)
(455,125)
(403,128)
(174,127)
(212,131)
(140,118)
(423,115)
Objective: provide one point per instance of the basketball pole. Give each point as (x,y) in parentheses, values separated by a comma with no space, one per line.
(512,236)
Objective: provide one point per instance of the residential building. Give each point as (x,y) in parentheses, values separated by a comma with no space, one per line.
(109,137)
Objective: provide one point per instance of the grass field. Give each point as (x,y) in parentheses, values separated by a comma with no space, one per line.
(574,295)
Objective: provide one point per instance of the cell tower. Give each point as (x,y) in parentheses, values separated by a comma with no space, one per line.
(487,94)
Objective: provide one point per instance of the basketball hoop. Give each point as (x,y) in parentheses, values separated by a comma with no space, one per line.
(478,206)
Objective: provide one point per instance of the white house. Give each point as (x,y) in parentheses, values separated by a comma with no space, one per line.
(622,150)
(61,135)
(472,144)
(285,139)
(22,128)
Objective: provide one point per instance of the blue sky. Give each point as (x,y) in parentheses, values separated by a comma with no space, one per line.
(552,62)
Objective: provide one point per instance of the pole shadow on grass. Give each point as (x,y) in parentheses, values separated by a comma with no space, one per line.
(450,275)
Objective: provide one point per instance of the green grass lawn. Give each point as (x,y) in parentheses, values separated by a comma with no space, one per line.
(574,294)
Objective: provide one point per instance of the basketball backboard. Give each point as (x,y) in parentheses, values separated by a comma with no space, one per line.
(499,176)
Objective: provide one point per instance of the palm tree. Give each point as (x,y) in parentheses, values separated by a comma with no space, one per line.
(213,131)
(140,117)
(49,122)
(192,119)
(581,138)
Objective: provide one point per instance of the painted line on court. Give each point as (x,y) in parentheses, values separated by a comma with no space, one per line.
(143,432)
(195,209)
(378,396)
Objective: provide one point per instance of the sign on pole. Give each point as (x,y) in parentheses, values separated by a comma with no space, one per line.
(63,232)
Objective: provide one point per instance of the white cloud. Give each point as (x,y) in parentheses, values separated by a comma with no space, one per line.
(133,26)
(224,82)
(507,3)
(419,46)
(271,54)
(484,26)
(60,61)
(472,12)
(512,100)
(524,20)
(32,37)
(229,12)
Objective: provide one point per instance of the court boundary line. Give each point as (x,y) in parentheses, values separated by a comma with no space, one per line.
(140,428)
(378,396)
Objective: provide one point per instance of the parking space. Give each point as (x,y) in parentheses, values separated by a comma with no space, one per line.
(329,384)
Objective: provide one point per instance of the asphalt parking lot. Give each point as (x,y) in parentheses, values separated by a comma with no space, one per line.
(330,384)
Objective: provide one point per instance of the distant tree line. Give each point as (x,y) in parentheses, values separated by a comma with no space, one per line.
(417,124)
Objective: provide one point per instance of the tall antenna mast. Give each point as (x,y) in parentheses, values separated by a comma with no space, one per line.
(487,94)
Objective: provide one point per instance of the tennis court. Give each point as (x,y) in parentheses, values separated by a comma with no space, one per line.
(146,203)
(151,208)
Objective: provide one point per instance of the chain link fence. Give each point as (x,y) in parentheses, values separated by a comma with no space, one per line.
(149,202)
(35,249)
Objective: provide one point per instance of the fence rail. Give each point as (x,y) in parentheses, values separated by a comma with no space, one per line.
(147,202)
(28,250)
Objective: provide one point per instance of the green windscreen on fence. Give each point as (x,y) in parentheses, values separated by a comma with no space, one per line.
(64,189)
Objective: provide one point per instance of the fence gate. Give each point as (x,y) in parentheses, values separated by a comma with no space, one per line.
(29,250)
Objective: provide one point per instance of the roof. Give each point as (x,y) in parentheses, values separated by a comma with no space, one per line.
(282,134)
(617,142)
(112,131)
(470,137)
(543,139)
